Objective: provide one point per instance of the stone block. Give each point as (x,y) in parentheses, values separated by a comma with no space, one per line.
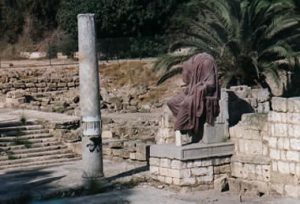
(253,147)
(277,188)
(199,171)
(106,134)
(283,167)
(283,155)
(237,169)
(295,144)
(277,117)
(154,161)
(205,179)
(294,105)
(292,168)
(278,130)
(225,169)
(292,190)
(274,154)
(294,130)
(161,178)
(274,166)
(154,170)
(283,143)
(263,107)
(280,104)
(214,134)
(132,156)
(165,163)
(188,181)
(168,180)
(164,171)
(176,164)
(293,118)
(194,151)
(262,95)
(272,142)
(293,156)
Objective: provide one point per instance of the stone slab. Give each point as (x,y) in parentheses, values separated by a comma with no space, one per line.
(192,151)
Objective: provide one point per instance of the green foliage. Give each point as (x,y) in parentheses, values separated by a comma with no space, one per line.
(249,39)
(125,28)
(36,16)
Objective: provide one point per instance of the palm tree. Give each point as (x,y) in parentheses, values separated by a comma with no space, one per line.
(248,38)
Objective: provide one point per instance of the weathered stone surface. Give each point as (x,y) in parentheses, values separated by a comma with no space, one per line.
(294,105)
(280,104)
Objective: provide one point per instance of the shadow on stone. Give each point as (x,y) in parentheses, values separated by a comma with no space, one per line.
(237,107)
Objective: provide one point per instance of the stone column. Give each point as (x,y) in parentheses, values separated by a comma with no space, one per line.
(89,98)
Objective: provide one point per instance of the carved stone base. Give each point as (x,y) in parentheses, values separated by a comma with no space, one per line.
(194,165)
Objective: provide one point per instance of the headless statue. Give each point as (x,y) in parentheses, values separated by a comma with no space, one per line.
(198,103)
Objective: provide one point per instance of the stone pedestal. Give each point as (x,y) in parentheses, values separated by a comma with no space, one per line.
(194,165)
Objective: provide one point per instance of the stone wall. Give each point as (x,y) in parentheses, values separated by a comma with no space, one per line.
(200,173)
(267,149)
(39,79)
(248,100)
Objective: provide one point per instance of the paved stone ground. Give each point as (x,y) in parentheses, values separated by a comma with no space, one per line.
(126,176)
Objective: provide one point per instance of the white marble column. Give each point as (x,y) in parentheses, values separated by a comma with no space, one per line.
(89,98)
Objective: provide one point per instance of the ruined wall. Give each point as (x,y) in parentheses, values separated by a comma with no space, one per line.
(267,149)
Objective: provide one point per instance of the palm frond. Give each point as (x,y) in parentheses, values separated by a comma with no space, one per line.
(172,72)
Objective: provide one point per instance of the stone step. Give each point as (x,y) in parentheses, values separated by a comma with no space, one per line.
(37,164)
(36,154)
(38,149)
(29,142)
(16,123)
(20,128)
(40,159)
(36,145)
(23,132)
(25,137)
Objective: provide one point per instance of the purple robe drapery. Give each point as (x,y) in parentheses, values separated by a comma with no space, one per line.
(200,98)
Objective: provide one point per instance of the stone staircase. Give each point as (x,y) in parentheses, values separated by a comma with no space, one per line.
(28,145)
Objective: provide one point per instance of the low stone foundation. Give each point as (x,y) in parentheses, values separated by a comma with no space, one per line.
(194,165)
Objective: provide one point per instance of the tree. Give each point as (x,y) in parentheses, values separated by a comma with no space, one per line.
(248,38)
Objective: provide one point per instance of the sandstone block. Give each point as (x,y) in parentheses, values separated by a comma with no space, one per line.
(132,156)
(292,190)
(295,144)
(176,164)
(272,142)
(274,154)
(294,105)
(199,171)
(186,181)
(278,130)
(293,156)
(283,167)
(294,130)
(293,118)
(107,134)
(277,188)
(165,163)
(280,104)
(283,143)
(154,161)
(164,171)
(168,180)
(277,117)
